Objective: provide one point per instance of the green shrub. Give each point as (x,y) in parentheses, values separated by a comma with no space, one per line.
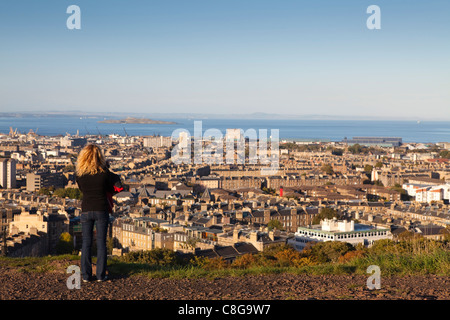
(245,261)
(328,251)
(158,256)
(406,257)
(65,244)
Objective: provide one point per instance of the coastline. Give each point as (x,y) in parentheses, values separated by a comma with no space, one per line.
(136,121)
(293,130)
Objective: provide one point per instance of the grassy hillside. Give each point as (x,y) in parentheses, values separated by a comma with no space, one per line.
(407,257)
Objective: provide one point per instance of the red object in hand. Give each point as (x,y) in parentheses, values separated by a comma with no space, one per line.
(109,196)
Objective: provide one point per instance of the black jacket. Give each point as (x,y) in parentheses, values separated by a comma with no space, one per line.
(95,189)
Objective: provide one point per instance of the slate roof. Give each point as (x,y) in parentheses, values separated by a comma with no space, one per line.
(227,252)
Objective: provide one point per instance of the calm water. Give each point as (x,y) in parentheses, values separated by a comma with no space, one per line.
(329,130)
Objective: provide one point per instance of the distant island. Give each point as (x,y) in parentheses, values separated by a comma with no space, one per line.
(136,120)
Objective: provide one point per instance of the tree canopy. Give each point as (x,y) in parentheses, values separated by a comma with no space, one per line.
(325,213)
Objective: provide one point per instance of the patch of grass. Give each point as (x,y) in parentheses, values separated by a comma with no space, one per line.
(437,262)
(191,271)
(38,264)
(186,271)
(345,297)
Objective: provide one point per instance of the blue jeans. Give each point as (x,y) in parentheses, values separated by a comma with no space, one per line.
(101,219)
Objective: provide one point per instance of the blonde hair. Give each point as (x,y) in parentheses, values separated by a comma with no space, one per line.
(90,160)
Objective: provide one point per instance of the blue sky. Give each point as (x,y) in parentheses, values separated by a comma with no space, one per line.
(228,56)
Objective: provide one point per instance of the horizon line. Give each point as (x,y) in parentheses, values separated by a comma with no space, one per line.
(229,116)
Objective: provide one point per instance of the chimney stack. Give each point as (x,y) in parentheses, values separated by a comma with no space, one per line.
(254,236)
(236,235)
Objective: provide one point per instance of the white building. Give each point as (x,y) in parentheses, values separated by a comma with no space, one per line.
(428,193)
(411,188)
(157,142)
(446,191)
(8,173)
(67,141)
(335,230)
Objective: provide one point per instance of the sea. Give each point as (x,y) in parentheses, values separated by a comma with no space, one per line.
(289,129)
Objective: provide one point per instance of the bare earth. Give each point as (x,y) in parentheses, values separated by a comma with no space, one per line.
(51,285)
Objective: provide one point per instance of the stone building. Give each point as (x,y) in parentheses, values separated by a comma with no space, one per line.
(141,233)
(51,223)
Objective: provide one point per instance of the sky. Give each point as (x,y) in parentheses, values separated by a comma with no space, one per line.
(227,57)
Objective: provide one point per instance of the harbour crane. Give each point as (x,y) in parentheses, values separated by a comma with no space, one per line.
(12,132)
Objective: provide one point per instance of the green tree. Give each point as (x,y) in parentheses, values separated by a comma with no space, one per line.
(407,235)
(378,183)
(398,187)
(446,233)
(47,191)
(109,245)
(325,213)
(355,149)
(327,168)
(445,154)
(69,168)
(368,169)
(337,151)
(275,224)
(191,242)
(268,190)
(72,193)
(65,243)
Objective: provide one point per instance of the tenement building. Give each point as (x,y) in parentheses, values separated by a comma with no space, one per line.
(51,224)
(141,233)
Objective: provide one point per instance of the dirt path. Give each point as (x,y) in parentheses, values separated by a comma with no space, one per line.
(16,285)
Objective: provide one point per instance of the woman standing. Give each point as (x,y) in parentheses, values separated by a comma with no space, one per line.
(95,182)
